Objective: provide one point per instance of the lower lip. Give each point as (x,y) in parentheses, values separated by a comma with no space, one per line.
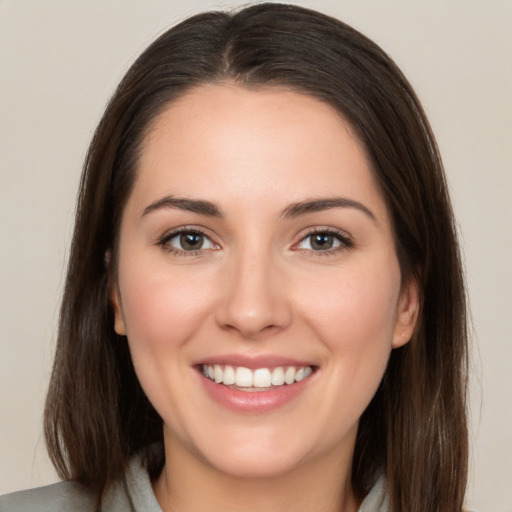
(253,401)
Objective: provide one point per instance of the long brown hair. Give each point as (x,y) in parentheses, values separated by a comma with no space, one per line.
(414,430)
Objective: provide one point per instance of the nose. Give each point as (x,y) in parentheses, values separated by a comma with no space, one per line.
(254,301)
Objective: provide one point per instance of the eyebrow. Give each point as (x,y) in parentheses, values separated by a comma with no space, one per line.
(209,209)
(199,206)
(317,205)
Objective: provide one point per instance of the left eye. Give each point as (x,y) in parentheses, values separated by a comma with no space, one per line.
(321,241)
(189,241)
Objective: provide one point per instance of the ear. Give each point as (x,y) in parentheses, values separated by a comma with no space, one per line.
(407,313)
(119,324)
(115,299)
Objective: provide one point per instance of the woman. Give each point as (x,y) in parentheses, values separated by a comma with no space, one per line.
(264,305)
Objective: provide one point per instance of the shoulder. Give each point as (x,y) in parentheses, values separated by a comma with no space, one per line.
(132,493)
(67,497)
(59,497)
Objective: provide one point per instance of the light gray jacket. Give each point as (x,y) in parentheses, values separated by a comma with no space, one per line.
(133,494)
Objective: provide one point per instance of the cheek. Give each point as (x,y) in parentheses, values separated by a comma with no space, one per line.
(354,313)
(162,309)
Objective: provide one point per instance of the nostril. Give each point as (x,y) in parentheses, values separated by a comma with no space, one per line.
(252,331)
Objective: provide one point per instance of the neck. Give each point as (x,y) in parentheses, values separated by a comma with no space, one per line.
(187,483)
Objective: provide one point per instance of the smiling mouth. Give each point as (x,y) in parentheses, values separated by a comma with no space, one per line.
(259,379)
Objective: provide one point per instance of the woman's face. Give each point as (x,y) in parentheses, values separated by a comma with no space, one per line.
(257,249)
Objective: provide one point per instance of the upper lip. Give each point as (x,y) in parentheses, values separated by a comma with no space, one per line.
(252,362)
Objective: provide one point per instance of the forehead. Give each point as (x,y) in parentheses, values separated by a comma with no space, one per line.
(265,143)
(261,108)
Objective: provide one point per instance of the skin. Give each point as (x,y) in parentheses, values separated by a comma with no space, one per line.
(257,286)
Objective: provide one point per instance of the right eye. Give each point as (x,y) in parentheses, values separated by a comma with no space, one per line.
(187,241)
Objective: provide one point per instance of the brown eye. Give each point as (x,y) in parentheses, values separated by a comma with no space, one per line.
(322,241)
(325,241)
(191,241)
(188,241)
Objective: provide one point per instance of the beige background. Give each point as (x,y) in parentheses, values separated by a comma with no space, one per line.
(59,62)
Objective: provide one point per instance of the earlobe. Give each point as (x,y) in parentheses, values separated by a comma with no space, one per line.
(407,314)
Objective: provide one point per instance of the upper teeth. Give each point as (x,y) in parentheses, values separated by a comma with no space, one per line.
(259,378)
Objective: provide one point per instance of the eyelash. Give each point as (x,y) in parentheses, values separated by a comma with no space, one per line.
(164,242)
(345,241)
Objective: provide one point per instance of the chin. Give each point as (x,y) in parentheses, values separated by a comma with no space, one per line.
(253,453)
(262,466)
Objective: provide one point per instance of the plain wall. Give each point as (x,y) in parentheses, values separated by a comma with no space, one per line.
(59,63)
